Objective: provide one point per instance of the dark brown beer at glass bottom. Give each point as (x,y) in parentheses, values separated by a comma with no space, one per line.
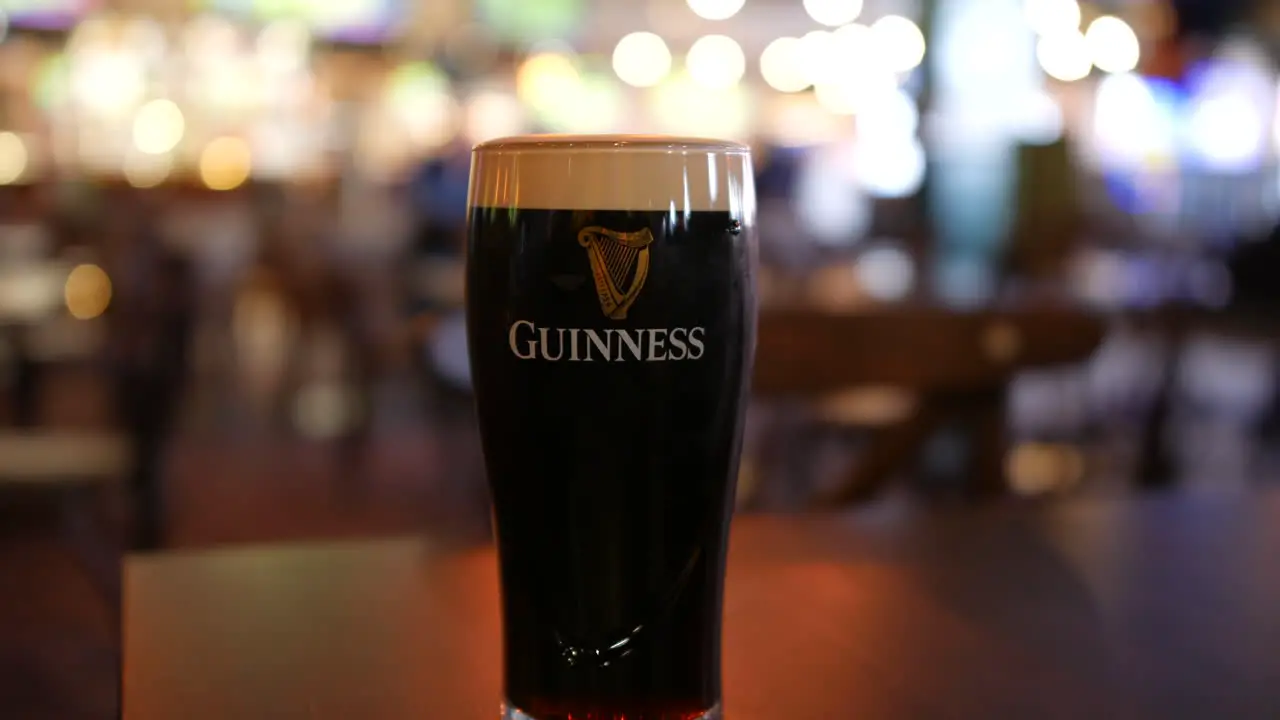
(610,352)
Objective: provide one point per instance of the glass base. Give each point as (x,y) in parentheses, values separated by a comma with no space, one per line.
(510,712)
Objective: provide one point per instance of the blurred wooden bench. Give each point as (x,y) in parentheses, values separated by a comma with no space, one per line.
(956,365)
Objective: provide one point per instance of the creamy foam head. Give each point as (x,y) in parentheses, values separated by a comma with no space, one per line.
(613,172)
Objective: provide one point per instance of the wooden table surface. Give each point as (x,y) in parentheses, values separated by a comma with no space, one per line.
(1158,607)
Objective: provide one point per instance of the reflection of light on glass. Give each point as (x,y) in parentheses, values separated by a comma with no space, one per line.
(87,292)
(829,205)
(716,61)
(1113,46)
(684,106)
(899,43)
(716,9)
(641,59)
(833,12)
(13,158)
(1039,468)
(886,273)
(781,67)
(1064,56)
(143,170)
(158,127)
(546,79)
(891,167)
(283,45)
(493,114)
(1051,17)
(1131,127)
(225,163)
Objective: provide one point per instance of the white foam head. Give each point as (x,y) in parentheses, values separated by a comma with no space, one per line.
(613,172)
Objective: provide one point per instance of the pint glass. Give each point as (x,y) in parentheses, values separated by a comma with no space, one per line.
(611,310)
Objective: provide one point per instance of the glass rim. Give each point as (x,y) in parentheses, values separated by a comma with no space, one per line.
(609,143)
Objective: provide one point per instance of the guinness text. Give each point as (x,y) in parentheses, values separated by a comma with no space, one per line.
(530,342)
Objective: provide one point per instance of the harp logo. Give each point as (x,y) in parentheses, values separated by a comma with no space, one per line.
(619,266)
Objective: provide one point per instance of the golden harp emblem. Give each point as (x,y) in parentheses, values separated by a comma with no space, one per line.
(619,264)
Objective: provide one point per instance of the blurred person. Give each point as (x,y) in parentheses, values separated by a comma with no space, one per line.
(150,321)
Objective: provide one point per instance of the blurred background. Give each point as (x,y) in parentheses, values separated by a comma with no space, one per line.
(1012,248)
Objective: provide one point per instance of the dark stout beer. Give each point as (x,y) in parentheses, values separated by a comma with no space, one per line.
(610,349)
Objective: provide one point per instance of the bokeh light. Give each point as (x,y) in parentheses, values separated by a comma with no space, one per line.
(781,66)
(886,272)
(833,12)
(283,45)
(683,106)
(490,114)
(716,61)
(1113,45)
(158,127)
(1064,56)
(87,292)
(716,9)
(226,163)
(144,170)
(641,59)
(13,158)
(890,167)
(1052,17)
(899,43)
(547,79)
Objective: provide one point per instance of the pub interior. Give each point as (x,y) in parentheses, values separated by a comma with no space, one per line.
(1020,266)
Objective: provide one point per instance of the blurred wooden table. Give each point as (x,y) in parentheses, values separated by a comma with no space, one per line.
(1162,607)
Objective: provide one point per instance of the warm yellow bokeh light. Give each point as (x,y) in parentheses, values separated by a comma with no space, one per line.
(715,9)
(547,79)
(1052,17)
(716,61)
(87,292)
(13,158)
(781,66)
(1064,56)
(226,163)
(158,127)
(833,12)
(147,171)
(899,43)
(1113,45)
(641,59)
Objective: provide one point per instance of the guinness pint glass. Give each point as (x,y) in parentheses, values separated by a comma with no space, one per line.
(611,313)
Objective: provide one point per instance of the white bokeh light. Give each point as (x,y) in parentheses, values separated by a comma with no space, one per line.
(833,12)
(641,59)
(715,9)
(1113,45)
(158,127)
(899,43)
(1226,131)
(1064,56)
(716,61)
(890,167)
(886,272)
(1051,17)
(781,66)
(490,114)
